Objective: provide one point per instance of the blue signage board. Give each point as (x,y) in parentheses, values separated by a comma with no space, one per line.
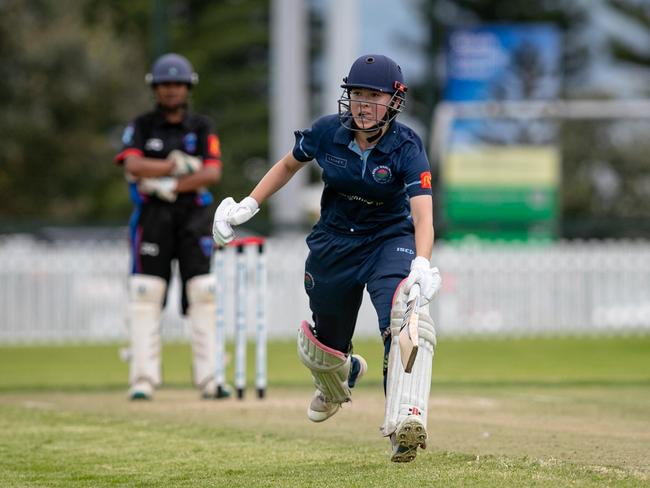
(503,62)
(501,177)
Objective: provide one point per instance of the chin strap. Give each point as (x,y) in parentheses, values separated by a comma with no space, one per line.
(374,137)
(371,139)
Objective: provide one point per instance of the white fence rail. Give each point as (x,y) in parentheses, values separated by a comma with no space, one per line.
(77,291)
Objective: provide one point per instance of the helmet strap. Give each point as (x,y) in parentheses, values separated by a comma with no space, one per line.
(376,135)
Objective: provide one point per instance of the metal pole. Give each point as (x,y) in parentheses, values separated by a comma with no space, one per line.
(289,103)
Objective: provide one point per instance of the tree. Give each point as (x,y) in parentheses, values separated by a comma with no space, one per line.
(59,111)
(228,43)
(67,97)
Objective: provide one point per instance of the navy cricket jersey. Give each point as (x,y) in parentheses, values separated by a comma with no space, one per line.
(151,136)
(365,190)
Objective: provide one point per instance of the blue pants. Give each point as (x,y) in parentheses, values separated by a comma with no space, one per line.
(338,268)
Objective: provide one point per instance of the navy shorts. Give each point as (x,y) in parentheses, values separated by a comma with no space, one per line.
(340,266)
(163,231)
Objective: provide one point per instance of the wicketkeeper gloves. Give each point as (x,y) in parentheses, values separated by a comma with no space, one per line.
(163,187)
(184,163)
(231,213)
(427,277)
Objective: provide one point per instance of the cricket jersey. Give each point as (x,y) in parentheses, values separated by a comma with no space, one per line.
(152,136)
(162,231)
(364,190)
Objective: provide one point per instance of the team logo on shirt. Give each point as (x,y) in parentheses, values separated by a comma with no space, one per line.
(189,142)
(153,144)
(309,281)
(127,135)
(382,174)
(425,179)
(214,146)
(340,162)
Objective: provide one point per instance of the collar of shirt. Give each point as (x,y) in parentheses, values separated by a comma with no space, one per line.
(160,119)
(354,147)
(385,144)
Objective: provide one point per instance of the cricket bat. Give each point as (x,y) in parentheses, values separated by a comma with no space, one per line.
(408,332)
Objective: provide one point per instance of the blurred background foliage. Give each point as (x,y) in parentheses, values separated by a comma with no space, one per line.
(605,191)
(72,76)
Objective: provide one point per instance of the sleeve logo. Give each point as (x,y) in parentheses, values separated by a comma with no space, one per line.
(127,135)
(425,179)
(214,147)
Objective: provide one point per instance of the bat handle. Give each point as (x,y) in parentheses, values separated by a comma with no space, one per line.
(415,291)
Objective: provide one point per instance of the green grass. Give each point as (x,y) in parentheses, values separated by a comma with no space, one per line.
(503,413)
(560,361)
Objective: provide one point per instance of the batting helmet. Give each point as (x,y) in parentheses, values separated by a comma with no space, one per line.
(373,72)
(172,68)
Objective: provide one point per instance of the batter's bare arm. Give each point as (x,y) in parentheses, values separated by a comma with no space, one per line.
(141,167)
(275,178)
(422,212)
(230,213)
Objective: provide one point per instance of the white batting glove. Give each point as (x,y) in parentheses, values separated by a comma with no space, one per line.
(424,275)
(230,213)
(184,164)
(163,187)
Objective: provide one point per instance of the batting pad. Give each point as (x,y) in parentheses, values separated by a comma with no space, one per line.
(329,368)
(408,394)
(146,294)
(202,311)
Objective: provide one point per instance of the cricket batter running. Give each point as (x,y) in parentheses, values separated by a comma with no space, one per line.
(376,232)
(169,156)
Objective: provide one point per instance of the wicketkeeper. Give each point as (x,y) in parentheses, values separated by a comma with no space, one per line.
(376,232)
(170,156)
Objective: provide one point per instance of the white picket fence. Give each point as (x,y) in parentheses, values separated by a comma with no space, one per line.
(76,291)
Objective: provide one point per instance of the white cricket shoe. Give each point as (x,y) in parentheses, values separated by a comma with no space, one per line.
(320,408)
(141,390)
(410,434)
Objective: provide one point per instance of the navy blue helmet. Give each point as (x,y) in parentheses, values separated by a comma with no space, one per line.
(172,68)
(373,72)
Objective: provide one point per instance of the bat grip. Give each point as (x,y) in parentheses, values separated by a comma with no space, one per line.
(415,291)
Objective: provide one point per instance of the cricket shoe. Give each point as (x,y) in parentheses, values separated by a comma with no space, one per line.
(358,368)
(320,408)
(212,391)
(410,434)
(141,390)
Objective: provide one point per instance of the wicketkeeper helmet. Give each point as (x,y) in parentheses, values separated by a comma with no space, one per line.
(172,68)
(374,72)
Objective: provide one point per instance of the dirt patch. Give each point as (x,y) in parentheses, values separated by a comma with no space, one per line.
(577,427)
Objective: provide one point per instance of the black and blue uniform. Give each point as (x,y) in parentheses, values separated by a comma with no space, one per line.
(365,236)
(161,231)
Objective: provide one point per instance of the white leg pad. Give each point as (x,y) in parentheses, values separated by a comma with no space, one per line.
(329,368)
(146,295)
(203,315)
(408,394)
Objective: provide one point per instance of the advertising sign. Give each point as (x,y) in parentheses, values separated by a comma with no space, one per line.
(500,178)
